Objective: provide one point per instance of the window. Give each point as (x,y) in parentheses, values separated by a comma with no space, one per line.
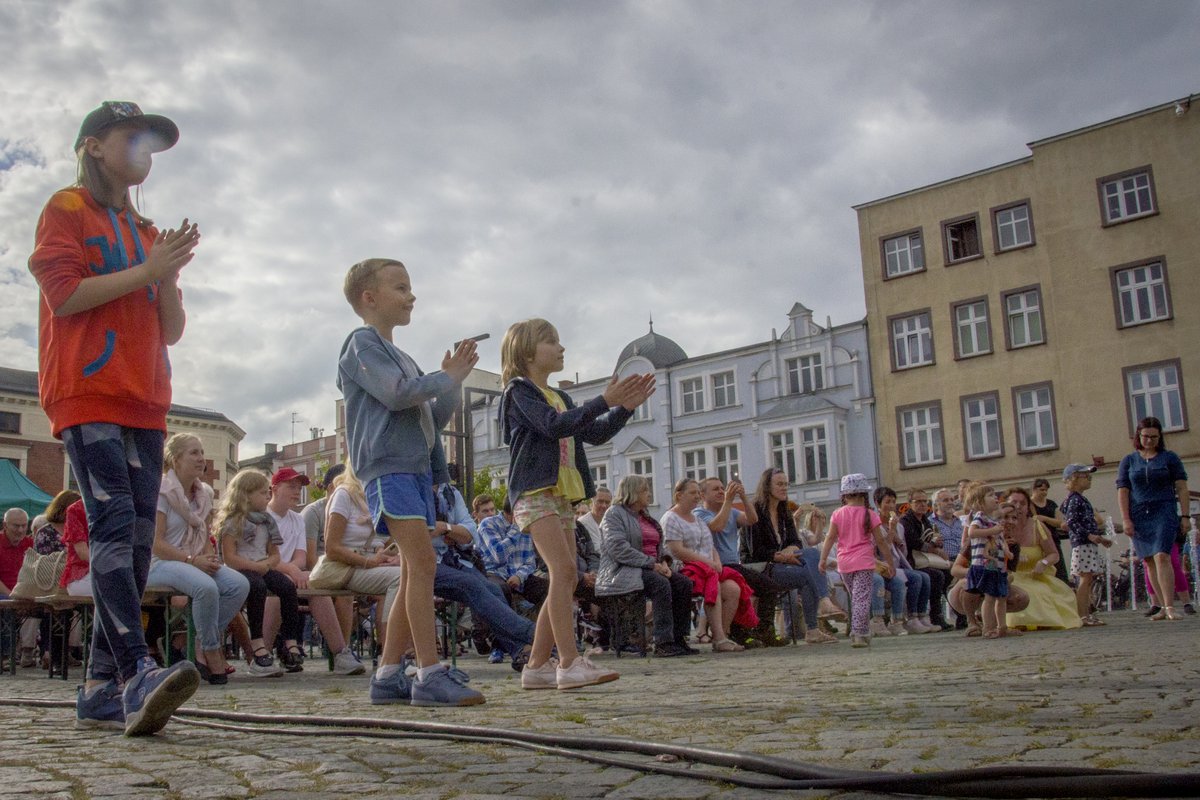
(695,464)
(903,254)
(1155,390)
(1023,317)
(724,390)
(920,430)
(804,374)
(815,449)
(961,239)
(981,426)
(1127,196)
(691,395)
(641,413)
(972,333)
(725,462)
(1012,227)
(599,474)
(783,452)
(644,466)
(1037,428)
(1141,294)
(912,340)
(10,422)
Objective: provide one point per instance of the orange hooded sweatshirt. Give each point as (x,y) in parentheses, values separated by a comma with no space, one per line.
(109,363)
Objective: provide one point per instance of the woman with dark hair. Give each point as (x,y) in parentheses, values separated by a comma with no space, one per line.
(773,540)
(1152,494)
(1046,512)
(1051,602)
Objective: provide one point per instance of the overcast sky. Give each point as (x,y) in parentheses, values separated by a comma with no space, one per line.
(593,163)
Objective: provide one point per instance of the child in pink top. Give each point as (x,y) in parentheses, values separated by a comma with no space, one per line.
(857,532)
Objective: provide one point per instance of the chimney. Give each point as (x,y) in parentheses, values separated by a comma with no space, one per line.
(272,448)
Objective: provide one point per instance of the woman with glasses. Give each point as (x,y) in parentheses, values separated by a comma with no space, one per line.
(1152,494)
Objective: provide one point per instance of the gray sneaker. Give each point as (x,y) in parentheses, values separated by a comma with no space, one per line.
(346,663)
(440,689)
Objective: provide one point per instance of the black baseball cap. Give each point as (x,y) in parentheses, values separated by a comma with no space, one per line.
(113,112)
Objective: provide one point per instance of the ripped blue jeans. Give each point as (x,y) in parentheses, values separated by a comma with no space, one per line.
(118,470)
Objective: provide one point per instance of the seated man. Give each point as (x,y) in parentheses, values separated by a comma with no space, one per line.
(510,560)
(457,580)
(482,507)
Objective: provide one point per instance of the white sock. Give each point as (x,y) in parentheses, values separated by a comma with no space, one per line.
(386,671)
(424,672)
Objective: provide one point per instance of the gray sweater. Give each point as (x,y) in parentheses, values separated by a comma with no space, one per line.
(394,412)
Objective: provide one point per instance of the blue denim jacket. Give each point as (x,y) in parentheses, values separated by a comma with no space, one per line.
(532,430)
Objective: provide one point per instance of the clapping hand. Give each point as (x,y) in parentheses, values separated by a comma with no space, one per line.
(459,365)
(629,392)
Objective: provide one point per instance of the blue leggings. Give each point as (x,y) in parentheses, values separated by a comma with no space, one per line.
(118,471)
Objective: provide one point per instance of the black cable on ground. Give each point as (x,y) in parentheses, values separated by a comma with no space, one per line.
(988,782)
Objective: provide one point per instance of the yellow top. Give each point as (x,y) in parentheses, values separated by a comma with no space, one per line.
(570,482)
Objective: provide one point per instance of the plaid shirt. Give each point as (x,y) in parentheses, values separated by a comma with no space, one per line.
(505,550)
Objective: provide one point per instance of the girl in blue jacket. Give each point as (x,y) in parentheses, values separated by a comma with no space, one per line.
(548,474)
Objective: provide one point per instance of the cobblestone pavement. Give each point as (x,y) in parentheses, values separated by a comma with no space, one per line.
(1125,695)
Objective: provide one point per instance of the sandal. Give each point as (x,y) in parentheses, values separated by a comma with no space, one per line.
(293,658)
(704,638)
(992,635)
(727,646)
(1092,622)
(974,631)
(1013,632)
(1173,615)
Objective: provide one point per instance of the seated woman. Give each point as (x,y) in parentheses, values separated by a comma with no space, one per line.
(726,595)
(351,560)
(77,576)
(631,549)
(183,556)
(916,581)
(773,540)
(1051,602)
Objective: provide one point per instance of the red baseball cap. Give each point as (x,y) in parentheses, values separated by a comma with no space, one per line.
(288,474)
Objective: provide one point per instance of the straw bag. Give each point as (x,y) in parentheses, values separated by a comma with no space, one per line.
(40,574)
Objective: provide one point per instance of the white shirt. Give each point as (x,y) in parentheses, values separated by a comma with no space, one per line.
(291,528)
(359,531)
(593,529)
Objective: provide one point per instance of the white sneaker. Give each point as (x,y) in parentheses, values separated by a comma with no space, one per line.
(583,672)
(914,625)
(929,626)
(269,670)
(543,677)
(346,663)
(877,627)
(897,629)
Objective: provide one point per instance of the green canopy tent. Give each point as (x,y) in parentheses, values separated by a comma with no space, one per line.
(17,491)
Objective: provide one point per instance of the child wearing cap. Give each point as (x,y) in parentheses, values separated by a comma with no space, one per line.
(394,414)
(857,532)
(1083,527)
(110,307)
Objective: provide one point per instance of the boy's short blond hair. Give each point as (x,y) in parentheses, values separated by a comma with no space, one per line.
(363,276)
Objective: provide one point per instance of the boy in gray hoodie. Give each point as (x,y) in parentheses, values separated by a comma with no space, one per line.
(394,413)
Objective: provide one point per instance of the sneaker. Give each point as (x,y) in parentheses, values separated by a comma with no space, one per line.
(543,677)
(393,689)
(440,689)
(583,672)
(1188,609)
(100,708)
(668,650)
(897,629)
(827,609)
(687,649)
(877,628)
(292,659)
(151,696)
(264,667)
(497,656)
(457,675)
(346,663)
(860,641)
(914,625)
(817,636)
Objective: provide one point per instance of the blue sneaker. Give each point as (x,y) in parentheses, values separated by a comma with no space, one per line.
(152,695)
(100,708)
(458,675)
(497,656)
(394,689)
(441,689)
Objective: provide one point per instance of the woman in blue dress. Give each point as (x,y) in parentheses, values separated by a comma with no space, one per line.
(1151,492)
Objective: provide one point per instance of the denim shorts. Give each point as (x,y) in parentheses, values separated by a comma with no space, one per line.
(533,506)
(401,495)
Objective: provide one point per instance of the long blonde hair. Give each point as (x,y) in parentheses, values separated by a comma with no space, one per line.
(353,486)
(235,503)
(519,346)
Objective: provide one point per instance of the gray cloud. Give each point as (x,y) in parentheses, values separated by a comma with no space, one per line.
(590,163)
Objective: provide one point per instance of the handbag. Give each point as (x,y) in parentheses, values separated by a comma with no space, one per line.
(923,560)
(330,574)
(40,574)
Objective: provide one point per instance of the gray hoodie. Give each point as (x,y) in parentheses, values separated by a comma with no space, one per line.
(394,412)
